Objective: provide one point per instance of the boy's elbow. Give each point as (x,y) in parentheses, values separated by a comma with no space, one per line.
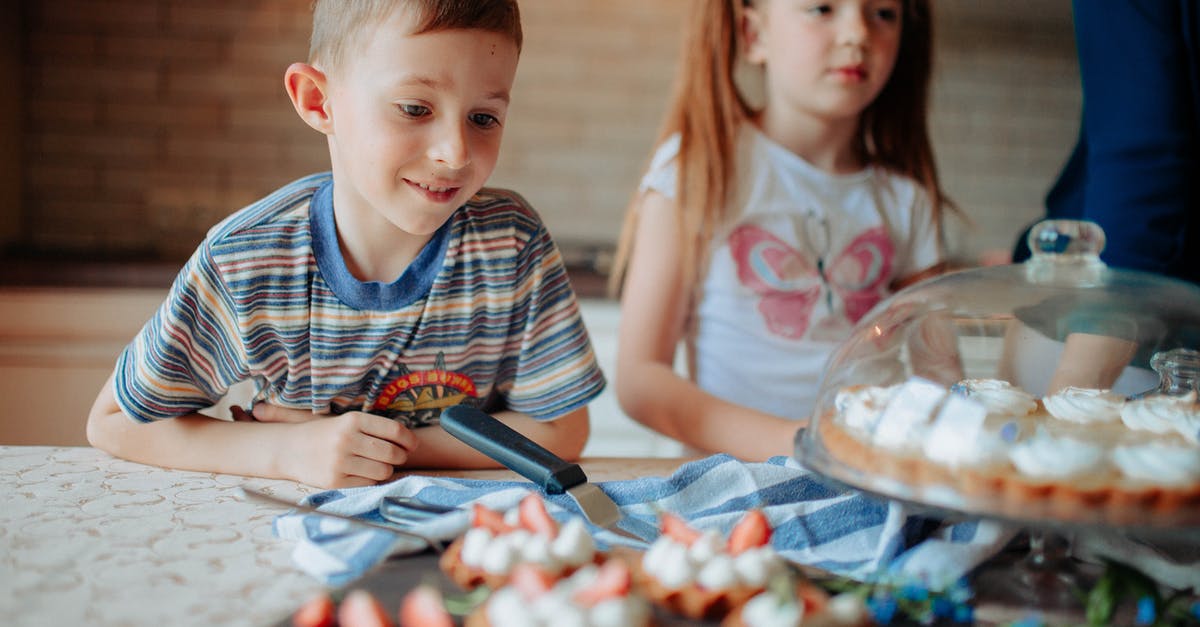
(573,431)
(100,430)
(105,420)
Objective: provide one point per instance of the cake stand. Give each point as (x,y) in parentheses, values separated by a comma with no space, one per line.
(1022,324)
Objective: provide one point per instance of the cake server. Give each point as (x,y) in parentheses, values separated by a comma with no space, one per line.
(530,460)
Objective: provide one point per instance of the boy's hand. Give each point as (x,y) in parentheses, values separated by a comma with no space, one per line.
(353,449)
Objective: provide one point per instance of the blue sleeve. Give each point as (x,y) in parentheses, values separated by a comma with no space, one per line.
(1138,144)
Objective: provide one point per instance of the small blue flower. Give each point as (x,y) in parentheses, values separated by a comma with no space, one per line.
(942,607)
(913,592)
(882,608)
(960,591)
(1147,613)
(964,614)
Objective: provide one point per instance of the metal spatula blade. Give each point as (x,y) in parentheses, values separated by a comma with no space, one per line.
(528,459)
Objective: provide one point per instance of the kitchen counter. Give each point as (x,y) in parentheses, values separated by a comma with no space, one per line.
(88,539)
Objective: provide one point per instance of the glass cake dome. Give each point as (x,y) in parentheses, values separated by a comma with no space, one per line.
(1058,389)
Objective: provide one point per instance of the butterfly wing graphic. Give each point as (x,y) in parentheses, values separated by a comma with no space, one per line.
(786,283)
(859,274)
(789,285)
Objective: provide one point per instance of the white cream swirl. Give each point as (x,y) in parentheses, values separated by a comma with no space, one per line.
(509,607)
(768,609)
(861,406)
(1084,405)
(1189,427)
(1047,456)
(1155,413)
(498,554)
(1163,414)
(1158,462)
(1000,397)
(985,449)
(676,565)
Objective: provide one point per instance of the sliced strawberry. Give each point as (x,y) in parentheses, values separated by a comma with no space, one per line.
(423,607)
(677,529)
(815,599)
(612,582)
(316,612)
(361,609)
(534,517)
(489,519)
(531,581)
(753,530)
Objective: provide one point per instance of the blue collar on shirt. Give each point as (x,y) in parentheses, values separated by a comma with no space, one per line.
(412,285)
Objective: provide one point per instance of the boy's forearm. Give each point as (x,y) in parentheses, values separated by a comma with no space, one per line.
(195,442)
(565,437)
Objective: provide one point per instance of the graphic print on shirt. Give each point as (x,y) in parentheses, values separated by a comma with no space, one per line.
(789,285)
(418,398)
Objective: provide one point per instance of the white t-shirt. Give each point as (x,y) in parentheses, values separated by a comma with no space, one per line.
(805,255)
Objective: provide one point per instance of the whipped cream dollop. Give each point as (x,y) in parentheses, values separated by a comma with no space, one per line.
(1159,462)
(508,607)
(860,407)
(707,564)
(498,554)
(1052,457)
(1160,413)
(768,609)
(1000,397)
(986,448)
(1084,405)
(903,424)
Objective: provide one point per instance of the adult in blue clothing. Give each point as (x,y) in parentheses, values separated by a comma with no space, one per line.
(1135,170)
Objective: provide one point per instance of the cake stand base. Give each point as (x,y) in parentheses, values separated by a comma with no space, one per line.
(1044,580)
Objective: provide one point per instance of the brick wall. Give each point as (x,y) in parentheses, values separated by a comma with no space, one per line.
(146,121)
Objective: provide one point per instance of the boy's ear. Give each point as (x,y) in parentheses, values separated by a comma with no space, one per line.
(307,87)
(751,31)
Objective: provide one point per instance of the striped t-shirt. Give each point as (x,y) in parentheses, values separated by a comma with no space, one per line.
(485,316)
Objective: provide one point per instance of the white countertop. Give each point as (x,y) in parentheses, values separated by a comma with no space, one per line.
(88,539)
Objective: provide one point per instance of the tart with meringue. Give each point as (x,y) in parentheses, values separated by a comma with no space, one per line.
(1080,454)
(597,596)
(497,542)
(700,575)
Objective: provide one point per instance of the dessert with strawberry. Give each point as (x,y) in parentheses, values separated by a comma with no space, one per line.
(702,576)
(595,596)
(496,543)
(792,601)
(421,607)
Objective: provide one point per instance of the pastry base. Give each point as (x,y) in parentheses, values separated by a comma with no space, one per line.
(1002,491)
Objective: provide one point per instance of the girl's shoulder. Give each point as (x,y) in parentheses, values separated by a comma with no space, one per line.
(662,173)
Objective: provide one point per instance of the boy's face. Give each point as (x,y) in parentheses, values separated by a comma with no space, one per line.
(417,121)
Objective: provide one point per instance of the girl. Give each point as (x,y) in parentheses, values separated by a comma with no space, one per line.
(759,236)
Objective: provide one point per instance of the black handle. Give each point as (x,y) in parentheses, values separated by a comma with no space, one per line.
(517,452)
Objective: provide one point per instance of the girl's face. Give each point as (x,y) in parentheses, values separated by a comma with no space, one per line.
(827,59)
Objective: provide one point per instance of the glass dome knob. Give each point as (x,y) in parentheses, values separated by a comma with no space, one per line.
(1065,252)
(1178,370)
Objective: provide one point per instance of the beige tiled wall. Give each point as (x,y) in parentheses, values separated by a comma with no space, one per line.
(146,121)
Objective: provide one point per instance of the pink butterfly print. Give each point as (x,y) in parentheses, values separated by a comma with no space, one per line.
(789,285)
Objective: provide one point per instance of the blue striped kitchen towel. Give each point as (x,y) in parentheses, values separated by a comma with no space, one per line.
(843,531)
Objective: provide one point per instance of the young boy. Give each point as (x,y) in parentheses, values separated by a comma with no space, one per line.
(361,302)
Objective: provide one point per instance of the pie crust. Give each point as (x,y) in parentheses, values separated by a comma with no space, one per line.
(1000,489)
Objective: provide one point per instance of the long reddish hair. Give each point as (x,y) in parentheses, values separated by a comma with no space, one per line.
(707,110)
